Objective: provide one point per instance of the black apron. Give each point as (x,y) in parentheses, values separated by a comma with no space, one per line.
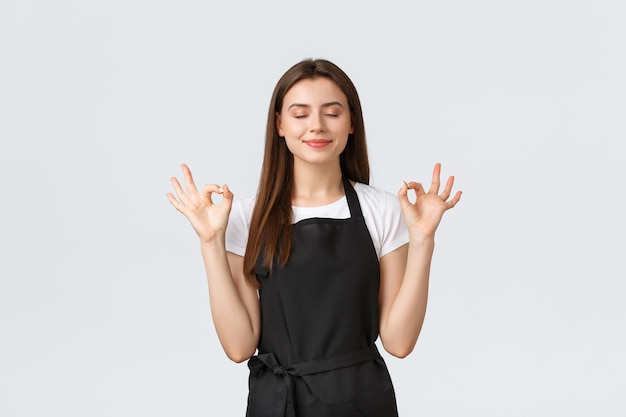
(319,321)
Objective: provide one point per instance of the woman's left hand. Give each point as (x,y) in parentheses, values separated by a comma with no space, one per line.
(423,216)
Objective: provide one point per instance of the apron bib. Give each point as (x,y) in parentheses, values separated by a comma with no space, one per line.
(319,321)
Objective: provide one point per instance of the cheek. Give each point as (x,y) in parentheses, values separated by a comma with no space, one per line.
(292,128)
(346,126)
(343,143)
(290,143)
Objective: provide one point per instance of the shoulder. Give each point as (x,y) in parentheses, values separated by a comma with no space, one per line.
(242,207)
(383,216)
(375,197)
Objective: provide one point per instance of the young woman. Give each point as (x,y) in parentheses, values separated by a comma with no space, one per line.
(319,265)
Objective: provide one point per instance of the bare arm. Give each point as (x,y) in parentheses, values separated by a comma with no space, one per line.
(234,303)
(405,272)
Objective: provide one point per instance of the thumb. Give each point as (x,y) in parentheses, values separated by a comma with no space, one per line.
(227,195)
(403,195)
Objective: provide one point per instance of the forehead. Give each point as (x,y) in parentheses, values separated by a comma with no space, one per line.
(314,92)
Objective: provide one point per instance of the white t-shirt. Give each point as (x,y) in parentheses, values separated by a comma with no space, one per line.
(381,210)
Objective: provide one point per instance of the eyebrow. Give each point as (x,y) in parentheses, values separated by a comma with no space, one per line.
(330,103)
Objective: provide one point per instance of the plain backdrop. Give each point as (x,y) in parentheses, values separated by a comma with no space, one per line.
(103,299)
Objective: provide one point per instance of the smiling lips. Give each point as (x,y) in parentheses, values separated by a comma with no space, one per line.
(317,143)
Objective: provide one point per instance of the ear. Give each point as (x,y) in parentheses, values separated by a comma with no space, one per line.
(278,125)
(351,131)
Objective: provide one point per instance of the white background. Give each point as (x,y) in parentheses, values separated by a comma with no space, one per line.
(103,304)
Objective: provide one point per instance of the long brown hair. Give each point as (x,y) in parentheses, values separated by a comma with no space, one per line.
(270,226)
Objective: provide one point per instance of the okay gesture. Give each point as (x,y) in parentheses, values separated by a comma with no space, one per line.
(208,219)
(423,216)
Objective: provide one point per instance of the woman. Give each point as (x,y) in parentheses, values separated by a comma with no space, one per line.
(320,264)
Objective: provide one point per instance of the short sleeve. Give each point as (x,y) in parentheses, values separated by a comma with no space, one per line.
(395,233)
(239,226)
(383,217)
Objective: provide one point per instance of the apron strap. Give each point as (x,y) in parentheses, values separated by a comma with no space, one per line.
(353,199)
(285,399)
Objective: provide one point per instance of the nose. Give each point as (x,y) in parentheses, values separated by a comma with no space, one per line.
(317,123)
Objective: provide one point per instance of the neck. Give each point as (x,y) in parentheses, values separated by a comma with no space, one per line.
(316,185)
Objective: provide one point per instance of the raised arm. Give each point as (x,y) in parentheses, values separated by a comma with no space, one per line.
(405,272)
(234,303)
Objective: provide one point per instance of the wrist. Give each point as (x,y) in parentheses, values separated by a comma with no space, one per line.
(218,241)
(421,239)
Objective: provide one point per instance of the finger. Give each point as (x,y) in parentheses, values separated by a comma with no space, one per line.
(209,189)
(191,186)
(175,202)
(435,183)
(179,190)
(454,200)
(417,187)
(447,189)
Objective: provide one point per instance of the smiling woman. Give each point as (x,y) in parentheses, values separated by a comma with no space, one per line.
(315,122)
(313,270)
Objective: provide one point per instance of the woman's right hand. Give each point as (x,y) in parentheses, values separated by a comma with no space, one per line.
(208,219)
